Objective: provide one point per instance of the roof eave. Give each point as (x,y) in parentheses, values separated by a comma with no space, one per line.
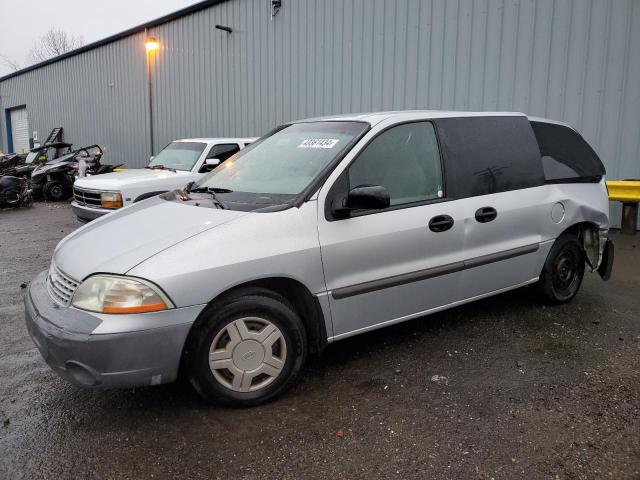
(126,33)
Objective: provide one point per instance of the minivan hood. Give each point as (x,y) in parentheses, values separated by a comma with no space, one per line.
(119,241)
(117,180)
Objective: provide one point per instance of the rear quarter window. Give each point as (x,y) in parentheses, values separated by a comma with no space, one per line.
(566,156)
(485,155)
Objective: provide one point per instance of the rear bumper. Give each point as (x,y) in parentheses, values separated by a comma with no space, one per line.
(86,214)
(606,265)
(125,359)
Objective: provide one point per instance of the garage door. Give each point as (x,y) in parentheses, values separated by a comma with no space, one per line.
(20,130)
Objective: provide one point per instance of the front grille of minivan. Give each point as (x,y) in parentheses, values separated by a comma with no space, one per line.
(61,287)
(88,198)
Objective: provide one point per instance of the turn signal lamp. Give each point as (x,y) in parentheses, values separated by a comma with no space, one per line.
(111,200)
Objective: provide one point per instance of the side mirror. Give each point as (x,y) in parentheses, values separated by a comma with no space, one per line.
(151,157)
(364,197)
(211,163)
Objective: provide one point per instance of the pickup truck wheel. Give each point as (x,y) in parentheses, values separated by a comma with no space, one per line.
(563,271)
(247,351)
(54,191)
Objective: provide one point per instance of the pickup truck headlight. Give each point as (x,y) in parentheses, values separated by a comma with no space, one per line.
(114,294)
(111,200)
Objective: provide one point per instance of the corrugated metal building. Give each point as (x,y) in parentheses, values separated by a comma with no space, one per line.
(572,60)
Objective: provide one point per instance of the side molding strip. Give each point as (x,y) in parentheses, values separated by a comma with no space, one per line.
(504,255)
(417,276)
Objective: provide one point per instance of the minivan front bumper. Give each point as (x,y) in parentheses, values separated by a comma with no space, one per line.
(64,336)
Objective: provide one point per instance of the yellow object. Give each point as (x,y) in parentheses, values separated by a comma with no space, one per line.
(120,169)
(111,200)
(152,307)
(624,190)
(151,44)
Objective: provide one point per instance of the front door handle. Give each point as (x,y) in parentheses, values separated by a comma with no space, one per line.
(440,223)
(486,214)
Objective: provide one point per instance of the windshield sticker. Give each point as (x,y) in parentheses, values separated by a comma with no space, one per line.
(318,143)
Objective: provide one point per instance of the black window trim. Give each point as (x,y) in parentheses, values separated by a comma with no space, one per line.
(334,193)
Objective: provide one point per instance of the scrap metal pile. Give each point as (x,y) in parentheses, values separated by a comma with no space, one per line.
(47,171)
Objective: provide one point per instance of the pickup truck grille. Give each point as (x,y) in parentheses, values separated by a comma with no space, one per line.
(60,286)
(87,198)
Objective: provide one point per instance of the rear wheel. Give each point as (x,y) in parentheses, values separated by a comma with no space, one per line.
(563,271)
(247,350)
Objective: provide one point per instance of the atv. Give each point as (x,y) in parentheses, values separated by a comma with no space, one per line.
(18,166)
(54,179)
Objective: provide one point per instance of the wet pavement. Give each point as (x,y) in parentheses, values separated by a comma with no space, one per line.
(502,388)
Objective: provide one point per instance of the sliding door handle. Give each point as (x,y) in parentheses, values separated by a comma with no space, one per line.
(440,223)
(486,214)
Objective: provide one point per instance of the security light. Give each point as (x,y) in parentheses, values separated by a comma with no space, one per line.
(151,44)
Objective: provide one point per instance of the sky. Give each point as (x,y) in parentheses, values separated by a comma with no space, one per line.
(23,21)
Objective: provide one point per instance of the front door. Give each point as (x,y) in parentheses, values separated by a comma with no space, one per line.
(389,265)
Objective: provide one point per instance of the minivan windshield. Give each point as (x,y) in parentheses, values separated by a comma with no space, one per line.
(286,162)
(178,156)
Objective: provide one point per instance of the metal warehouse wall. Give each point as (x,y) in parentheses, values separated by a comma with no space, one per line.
(99,96)
(577,61)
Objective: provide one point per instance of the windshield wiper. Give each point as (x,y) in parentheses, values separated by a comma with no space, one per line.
(190,188)
(211,191)
(159,167)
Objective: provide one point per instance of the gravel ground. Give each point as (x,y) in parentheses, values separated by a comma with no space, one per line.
(502,388)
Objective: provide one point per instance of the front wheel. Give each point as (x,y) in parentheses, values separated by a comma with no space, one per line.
(563,271)
(55,191)
(247,350)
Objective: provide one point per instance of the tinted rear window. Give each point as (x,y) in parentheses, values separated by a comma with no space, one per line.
(486,155)
(566,156)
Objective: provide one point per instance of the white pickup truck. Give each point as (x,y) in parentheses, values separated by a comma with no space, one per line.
(179,163)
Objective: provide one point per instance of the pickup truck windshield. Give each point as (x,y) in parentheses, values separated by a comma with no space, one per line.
(31,156)
(178,156)
(286,162)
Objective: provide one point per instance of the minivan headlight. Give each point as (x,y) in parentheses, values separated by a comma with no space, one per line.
(111,200)
(114,294)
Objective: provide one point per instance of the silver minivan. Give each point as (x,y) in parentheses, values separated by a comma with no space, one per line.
(322,229)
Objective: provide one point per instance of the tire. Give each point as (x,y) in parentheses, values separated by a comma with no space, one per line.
(563,270)
(258,348)
(54,191)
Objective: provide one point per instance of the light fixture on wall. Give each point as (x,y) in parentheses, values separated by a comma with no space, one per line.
(151,44)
